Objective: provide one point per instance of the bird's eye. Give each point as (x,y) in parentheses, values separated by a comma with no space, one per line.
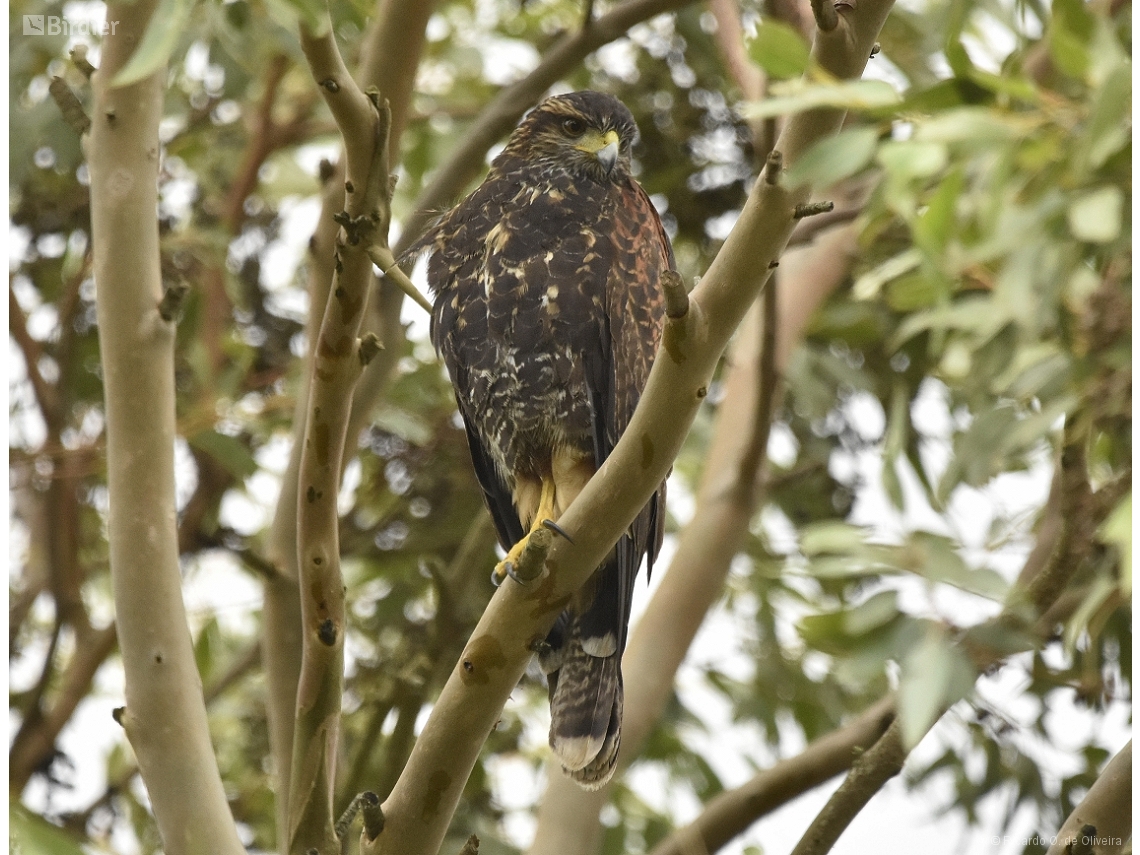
(573,127)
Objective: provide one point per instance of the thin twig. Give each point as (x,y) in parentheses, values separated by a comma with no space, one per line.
(874,768)
(731,812)
(69,105)
(382,257)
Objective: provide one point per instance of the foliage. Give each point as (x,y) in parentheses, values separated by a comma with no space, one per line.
(989,305)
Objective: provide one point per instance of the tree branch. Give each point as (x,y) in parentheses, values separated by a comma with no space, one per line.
(390,56)
(1027,610)
(165,717)
(731,812)
(31,350)
(263,137)
(874,768)
(706,546)
(423,801)
(36,741)
(1107,808)
(335,368)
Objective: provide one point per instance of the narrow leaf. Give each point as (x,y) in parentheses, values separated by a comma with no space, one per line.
(166,25)
(834,158)
(935,675)
(797,96)
(780,50)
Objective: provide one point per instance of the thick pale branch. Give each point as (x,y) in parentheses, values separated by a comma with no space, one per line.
(695,578)
(240,668)
(1107,808)
(423,801)
(165,717)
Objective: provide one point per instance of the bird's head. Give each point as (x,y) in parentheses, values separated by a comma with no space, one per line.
(587,133)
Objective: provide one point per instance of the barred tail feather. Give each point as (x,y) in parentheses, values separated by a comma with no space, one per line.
(585,713)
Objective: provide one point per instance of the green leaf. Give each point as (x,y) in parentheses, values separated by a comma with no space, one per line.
(1109,126)
(1099,591)
(895,441)
(934,557)
(841,632)
(795,96)
(876,611)
(1070,31)
(780,50)
(830,537)
(934,675)
(32,835)
(914,291)
(868,285)
(312,14)
(1068,52)
(834,158)
(167,25)
(229,451)
(976,125)
(1117,530)
(912,159)
(936,224)
(1096,216)
(1036,371)
(977,315)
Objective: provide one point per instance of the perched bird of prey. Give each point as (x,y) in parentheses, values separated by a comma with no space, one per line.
(548,312)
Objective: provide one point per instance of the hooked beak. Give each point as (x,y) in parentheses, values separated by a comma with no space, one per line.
(607,156)
(605,147)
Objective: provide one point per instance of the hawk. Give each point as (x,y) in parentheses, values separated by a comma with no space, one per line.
(548,312)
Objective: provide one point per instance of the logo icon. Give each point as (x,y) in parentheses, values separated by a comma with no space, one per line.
(33,25)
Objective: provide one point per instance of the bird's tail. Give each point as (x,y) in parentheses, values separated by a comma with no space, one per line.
(586,700)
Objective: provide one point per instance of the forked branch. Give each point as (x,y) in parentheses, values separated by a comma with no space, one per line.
(336,365)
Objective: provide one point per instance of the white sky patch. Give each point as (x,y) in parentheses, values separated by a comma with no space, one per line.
(216,585)
(507,60)
(719,227)
(417,322)
(299,216)
(346,499)
(619,59)
(309,158)
(782,445)
(515,784)
(185,473)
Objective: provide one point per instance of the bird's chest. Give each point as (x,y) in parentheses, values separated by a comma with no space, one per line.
(524,310)
(525,378)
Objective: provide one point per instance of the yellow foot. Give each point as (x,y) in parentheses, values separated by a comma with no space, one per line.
(524,562)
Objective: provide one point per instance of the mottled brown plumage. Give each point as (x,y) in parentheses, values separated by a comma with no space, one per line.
(548,313)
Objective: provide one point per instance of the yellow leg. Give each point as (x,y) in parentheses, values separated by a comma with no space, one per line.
(543,517)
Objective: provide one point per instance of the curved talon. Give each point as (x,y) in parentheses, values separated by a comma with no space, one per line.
(557,529)
(496,577)
(510,568)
